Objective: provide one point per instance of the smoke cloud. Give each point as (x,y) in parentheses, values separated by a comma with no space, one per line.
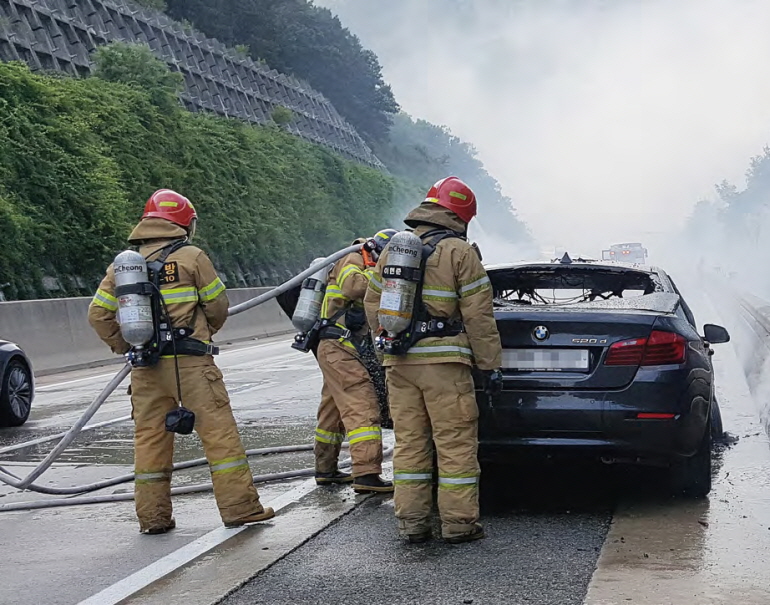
(605,121)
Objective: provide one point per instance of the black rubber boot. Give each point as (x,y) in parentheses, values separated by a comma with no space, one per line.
(161,529)
(371,484)
(333,478)
(420,538)
(477,533)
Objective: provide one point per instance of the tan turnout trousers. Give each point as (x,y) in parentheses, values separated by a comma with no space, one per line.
(348,405)
(440,396)
(153,395)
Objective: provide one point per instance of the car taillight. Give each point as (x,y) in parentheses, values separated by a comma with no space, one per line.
(664,348)
(626,353)
(661,348)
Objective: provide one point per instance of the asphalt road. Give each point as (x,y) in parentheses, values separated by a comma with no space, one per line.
(582,534)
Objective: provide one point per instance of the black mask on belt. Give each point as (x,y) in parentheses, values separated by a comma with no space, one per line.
(180,421)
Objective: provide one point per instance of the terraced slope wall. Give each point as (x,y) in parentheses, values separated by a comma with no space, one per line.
(60,35)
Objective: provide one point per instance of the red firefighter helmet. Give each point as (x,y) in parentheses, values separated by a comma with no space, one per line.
(454,195)
(170,205)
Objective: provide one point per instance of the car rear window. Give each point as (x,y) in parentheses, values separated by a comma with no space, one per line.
(568,285)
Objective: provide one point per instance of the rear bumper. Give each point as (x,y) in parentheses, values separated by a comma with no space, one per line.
(599,424)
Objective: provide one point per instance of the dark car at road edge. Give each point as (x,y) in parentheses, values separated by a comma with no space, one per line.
(17,385)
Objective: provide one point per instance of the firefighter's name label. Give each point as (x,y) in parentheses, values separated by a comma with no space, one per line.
(169,273)
(133,314)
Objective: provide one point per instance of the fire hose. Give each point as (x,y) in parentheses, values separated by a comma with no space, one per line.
(27,483)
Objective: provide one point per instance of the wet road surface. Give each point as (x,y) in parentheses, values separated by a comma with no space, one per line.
(584,534)
(68,554)
(537,559)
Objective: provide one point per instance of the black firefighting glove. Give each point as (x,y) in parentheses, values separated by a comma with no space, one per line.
(493,381)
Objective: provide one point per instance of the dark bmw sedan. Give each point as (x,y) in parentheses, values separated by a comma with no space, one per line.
(603,361)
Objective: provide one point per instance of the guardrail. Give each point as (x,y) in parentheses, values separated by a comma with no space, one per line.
(56,335)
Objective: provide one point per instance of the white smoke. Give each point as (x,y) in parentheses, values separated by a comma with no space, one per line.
(604,121)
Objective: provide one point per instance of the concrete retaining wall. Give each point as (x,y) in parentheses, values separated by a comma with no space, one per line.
(55,333)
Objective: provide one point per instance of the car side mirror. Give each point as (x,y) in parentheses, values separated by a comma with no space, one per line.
(715,334)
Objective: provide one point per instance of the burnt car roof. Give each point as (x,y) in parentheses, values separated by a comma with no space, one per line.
(660,295)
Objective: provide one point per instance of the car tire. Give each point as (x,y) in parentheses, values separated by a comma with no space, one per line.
(691,476)
(16,394)
(717,428)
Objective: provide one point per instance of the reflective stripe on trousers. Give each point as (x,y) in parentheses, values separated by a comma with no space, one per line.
(228,465)
(366,433)
(152,476)
(328,436)
(406,477)
(462,481)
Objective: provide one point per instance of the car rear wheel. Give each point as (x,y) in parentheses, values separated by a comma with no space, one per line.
(16,394)
(691,476)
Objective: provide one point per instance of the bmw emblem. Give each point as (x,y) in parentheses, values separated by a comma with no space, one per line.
(541,333)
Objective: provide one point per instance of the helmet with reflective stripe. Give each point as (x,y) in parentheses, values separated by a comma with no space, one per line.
(454,195)
(382,239)
(171,206)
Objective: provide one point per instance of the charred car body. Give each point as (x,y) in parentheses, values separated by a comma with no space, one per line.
(602,360)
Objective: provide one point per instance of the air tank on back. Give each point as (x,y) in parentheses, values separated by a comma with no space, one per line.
(134,309)
(311,298)
(399,282)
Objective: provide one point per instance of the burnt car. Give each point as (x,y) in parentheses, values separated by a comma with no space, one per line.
(602,360)
(17,386)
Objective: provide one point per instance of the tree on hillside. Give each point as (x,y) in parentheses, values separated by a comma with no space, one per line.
(308,41)
(136,65)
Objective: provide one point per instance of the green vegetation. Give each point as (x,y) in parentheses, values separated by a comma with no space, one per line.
(297,37)
(282,115)
(78,158)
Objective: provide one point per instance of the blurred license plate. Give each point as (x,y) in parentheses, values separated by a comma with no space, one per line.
(549,360)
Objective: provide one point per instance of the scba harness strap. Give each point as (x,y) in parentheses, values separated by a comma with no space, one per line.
(167,339)
(424,325)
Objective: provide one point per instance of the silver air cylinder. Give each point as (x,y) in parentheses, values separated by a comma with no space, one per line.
(311,298)
(134,310)
(399,287)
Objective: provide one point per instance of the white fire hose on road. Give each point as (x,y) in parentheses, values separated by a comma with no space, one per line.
(27,483)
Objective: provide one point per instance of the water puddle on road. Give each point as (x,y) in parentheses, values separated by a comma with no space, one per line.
(115,445)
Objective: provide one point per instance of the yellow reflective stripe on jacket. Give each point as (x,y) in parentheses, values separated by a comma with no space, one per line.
(211,291)
(180,295)
(436,349)
(366,433)
(347,272)
(105,300)
(406,477)
(332,291)
(474,286)
(375,284)
(439,293)
(150,476)
(323,436)
(458,481)
(228,465)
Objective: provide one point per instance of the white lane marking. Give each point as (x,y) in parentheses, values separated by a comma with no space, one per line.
(120,591)
(66,382)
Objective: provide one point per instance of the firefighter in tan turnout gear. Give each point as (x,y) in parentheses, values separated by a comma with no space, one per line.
(194,299)
(437,293)
(349,403)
